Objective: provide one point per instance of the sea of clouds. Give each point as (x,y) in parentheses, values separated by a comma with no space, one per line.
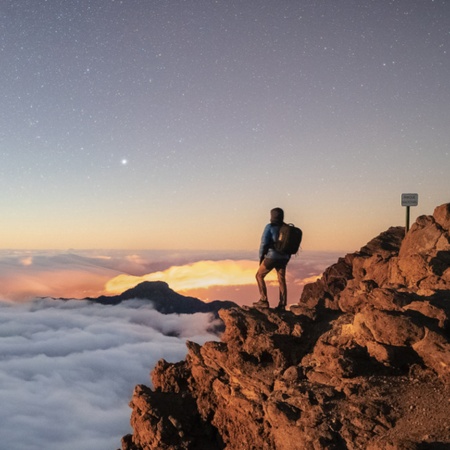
(68,368)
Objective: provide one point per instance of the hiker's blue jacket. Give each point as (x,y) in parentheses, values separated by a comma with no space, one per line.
(268,238)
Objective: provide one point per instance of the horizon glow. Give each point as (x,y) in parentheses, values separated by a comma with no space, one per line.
(28,275)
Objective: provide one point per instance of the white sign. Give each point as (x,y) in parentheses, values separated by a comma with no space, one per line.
(410,199)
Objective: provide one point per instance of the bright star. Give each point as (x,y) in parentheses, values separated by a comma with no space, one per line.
(124,162)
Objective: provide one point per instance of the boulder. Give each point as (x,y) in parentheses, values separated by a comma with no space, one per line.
(434,349)
(424,258)
(388,328)
(362,270)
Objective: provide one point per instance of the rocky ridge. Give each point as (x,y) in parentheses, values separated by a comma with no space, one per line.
(361,362)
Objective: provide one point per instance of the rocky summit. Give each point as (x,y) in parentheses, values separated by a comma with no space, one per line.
(361,362)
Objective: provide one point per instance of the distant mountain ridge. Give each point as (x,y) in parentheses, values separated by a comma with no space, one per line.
(165,300)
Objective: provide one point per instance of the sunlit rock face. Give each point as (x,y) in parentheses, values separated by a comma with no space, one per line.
(362,362)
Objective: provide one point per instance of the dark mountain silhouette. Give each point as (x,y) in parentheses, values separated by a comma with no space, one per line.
(165,300)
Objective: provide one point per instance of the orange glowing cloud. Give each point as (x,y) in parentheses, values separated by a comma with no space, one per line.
(307,280)
(198,275)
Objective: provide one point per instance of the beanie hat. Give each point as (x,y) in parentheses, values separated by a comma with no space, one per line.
(276,216)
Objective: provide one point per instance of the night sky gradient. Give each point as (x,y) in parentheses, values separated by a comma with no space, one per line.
(179,124)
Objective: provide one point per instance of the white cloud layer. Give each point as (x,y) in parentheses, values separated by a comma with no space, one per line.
(68,369)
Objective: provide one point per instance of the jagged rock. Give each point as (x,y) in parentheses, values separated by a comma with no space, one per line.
(354,299)
(434,349)
(159,421)
(432,309)
(334,280)
(388,328)
(424,258)
(356,272)
(442,216)
(362,362)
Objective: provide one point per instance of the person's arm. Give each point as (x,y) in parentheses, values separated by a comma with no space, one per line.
(266,242)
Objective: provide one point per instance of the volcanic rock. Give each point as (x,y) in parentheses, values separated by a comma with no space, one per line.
(362,362)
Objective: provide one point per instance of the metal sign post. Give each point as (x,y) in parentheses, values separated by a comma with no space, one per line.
(409,200)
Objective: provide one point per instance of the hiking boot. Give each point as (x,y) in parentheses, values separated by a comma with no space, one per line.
(261,304)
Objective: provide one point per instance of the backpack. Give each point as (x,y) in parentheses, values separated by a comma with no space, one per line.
(289,239)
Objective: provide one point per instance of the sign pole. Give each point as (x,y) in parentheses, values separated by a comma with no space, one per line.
(407,219)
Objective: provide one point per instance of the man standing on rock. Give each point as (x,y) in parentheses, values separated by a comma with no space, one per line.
(269,259)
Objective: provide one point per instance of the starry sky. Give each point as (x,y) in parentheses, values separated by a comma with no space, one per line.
(180,123)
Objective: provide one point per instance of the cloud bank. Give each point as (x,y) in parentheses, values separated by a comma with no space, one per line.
(205,275)
(68,368)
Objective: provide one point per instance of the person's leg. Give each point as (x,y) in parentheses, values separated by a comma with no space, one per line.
(265,267)
(281,273)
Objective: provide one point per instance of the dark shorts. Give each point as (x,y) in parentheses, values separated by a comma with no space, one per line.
(275,263)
